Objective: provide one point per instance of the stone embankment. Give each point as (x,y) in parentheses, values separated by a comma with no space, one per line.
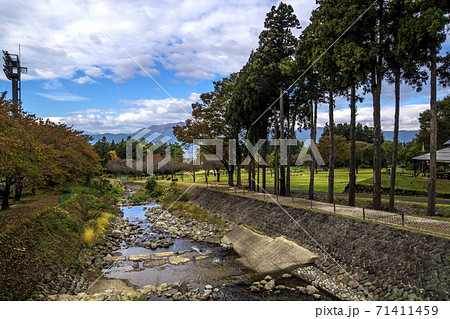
(380,262)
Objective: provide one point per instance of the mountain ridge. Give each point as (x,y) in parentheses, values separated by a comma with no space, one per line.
(167,130)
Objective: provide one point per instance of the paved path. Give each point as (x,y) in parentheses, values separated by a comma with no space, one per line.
(417,223)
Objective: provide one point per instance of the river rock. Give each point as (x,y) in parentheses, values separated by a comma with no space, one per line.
(286,276)
(164,254)
(116,253)
(182,252)
(311,290)
(270,285)
(113,258)
(140,257)
(202,257)
(254,289)
(178,296)
(179,260)
(183,288)
(154,263)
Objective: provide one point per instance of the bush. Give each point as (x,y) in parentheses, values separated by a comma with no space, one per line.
(150,184)
(139,197)
(89,236)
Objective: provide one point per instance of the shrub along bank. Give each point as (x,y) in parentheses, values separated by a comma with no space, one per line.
(172,196)
(41,239)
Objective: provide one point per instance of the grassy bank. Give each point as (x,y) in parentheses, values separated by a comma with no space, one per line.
(174,196)
(43,234)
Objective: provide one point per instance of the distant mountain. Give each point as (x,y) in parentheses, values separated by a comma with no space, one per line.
(403,136)
(164,129)
(167,130)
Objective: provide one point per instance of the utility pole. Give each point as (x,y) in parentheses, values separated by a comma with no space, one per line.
(13,70)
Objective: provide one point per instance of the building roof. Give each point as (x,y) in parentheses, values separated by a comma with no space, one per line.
(442,156)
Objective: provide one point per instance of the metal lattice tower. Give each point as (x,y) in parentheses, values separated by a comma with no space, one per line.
(13,70)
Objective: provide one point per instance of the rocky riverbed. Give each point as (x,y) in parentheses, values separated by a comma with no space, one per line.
(153,254)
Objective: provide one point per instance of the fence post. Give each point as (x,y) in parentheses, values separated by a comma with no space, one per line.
(403,219)
(364,213)
(277,198)
(334,206)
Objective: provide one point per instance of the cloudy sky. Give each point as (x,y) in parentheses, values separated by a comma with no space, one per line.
(117,66)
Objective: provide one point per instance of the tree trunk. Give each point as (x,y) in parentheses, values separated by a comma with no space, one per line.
(218,176)
(433,139)
(330,197)
(313,162)
(264,167)
(239,175)
(395,148)
(376,93)
(249,173)
(282,166)
(352,169)
(275,158)
(291,132)
(315,129)
(377,142)
(230,172)
(5,193)
(18,192)
(257,188)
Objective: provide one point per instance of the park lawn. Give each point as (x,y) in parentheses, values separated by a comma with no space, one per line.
(409,182)
(299,178)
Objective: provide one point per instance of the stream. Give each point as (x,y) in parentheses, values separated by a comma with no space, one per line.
(220,270)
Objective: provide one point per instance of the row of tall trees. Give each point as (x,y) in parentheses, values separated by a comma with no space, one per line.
(349,49)
(38,153)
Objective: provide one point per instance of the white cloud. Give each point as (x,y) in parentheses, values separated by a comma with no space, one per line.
(62,97)
(408,116)
(141,113)
(196,39)
(84,79)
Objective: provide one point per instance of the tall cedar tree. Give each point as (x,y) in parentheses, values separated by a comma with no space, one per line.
(276,50)
(424,32)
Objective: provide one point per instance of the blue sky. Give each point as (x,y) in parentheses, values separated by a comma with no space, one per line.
(78,73)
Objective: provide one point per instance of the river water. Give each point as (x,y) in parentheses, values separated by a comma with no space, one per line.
(222,270)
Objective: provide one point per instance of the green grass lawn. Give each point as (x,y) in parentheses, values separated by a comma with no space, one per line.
(300,180)
(411,183)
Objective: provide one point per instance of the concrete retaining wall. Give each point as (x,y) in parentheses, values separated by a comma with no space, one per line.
(392,264)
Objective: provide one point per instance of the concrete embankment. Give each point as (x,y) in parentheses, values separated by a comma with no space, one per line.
(388,263)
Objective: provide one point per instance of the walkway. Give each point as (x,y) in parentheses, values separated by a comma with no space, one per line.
(411,222)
